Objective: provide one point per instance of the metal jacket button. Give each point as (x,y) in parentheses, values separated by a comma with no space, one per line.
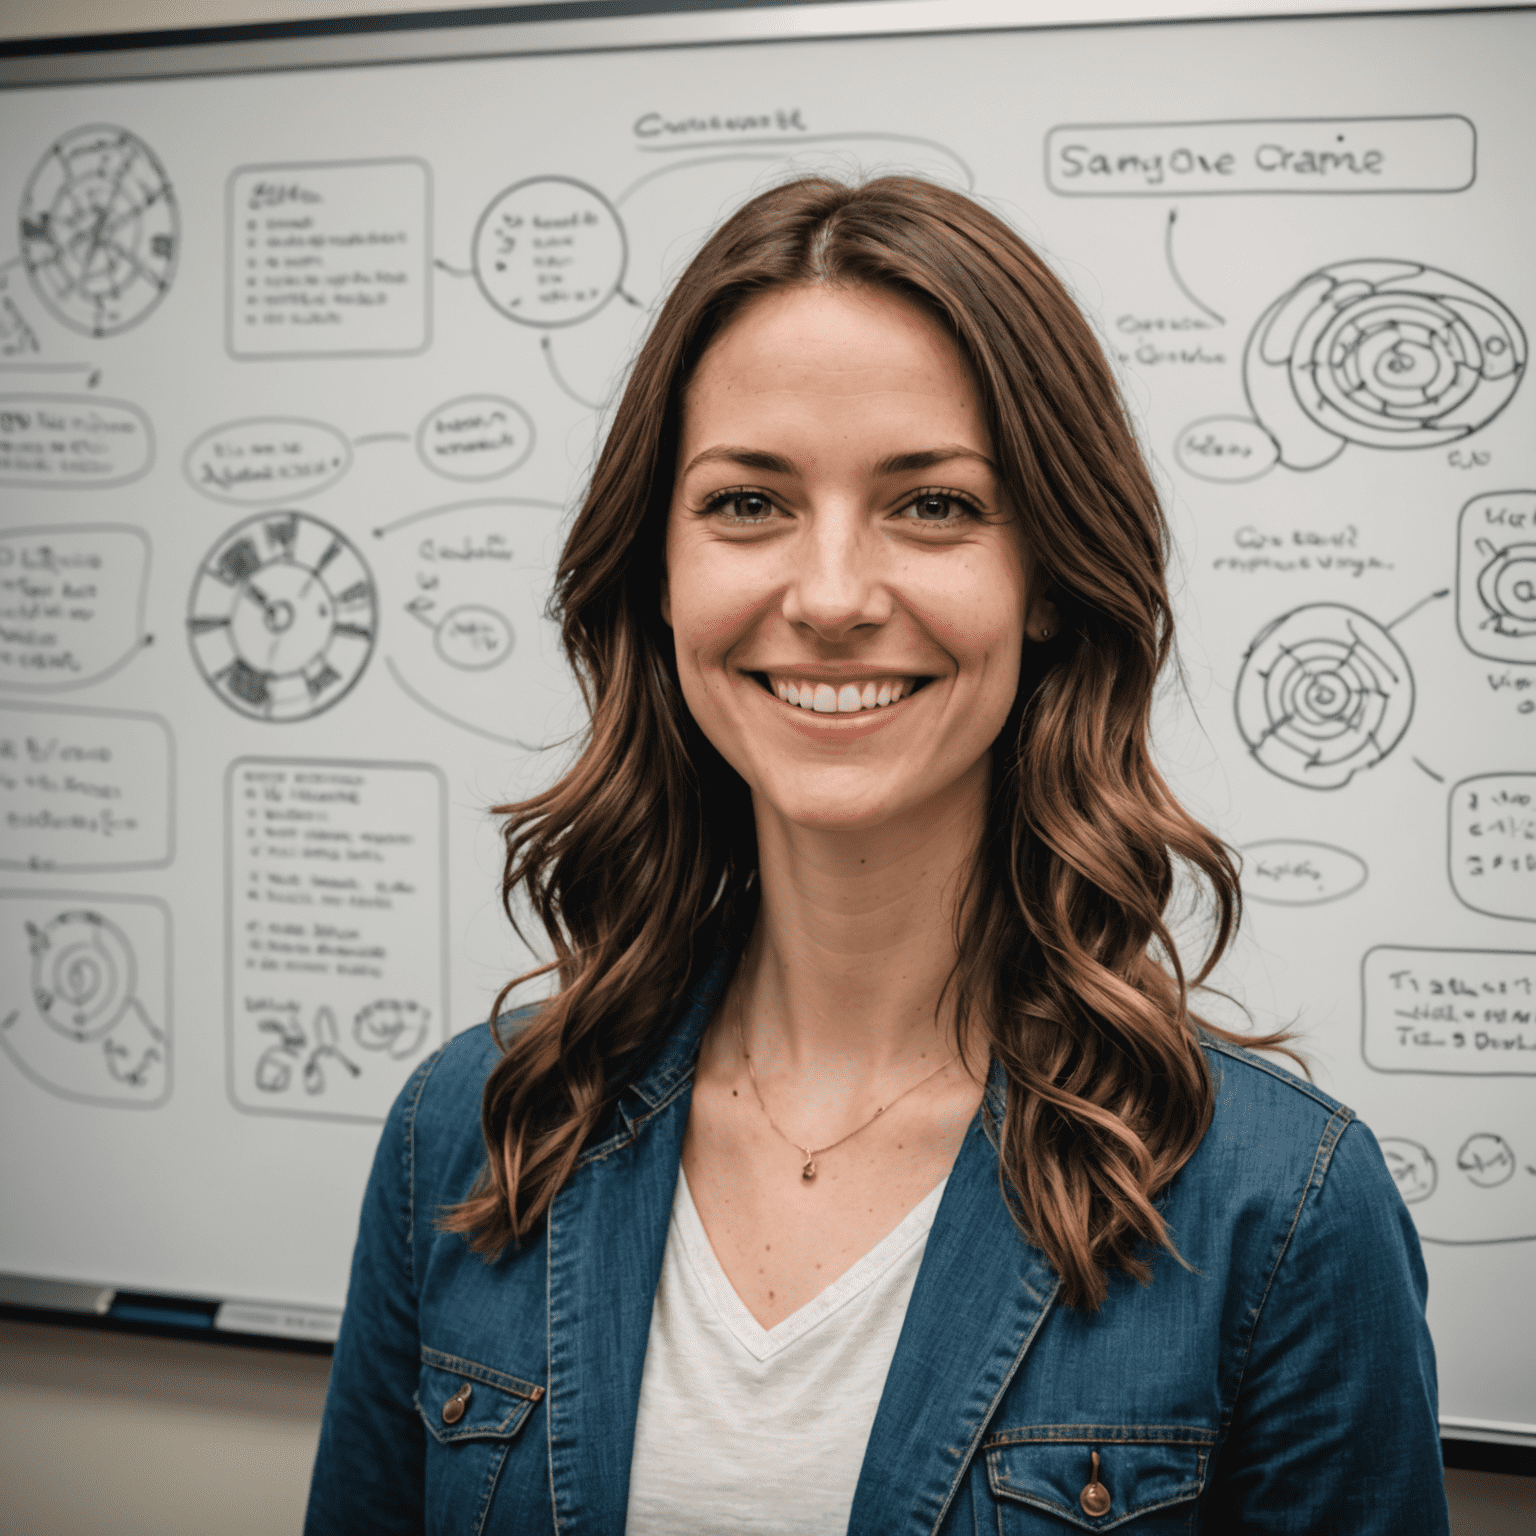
(453,1409)
(1094,1498)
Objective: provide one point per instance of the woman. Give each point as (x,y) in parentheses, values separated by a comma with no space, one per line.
(867,1170)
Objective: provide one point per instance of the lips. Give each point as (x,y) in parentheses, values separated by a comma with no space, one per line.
(847,697)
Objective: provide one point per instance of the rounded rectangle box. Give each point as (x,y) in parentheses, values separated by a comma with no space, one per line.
(1491,844)
(1449,1012)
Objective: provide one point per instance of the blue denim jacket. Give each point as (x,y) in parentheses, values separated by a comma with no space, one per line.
(1285,1382)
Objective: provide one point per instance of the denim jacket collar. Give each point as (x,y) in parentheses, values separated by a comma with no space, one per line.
(975,1310)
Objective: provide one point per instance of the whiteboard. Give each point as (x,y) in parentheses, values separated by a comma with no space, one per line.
(301,371)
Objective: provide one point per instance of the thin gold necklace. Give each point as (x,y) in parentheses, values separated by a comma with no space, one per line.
(808,1168)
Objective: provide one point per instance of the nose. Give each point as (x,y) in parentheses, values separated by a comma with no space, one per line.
(838,580)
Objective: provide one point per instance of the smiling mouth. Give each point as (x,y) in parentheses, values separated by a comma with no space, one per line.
(848,698)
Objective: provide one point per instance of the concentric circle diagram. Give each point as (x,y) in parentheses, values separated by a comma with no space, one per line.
(99,230)
(282,617)
(83,974)
(1323,693)
(1390,354)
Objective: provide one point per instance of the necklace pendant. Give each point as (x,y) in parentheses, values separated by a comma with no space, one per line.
(809,1171)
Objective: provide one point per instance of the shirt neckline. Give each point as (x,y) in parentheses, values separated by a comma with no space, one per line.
(763,1343)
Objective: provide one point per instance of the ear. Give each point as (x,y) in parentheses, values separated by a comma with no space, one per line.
(1041,620)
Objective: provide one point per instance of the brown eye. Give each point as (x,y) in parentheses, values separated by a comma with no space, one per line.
(934,507)
(750,506)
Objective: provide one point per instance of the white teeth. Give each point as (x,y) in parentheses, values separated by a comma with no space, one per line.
(843,699)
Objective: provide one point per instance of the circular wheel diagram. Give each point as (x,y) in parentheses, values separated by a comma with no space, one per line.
(1324,692)
(282,617)
(99,230)
(1390,354)
(1507,586)
(83,974)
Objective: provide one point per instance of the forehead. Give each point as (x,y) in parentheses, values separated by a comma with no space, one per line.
(854,352)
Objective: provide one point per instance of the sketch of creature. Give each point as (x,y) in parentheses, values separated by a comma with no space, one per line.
(1389,354)
(1507,586)
(275,1066)
(1323,693)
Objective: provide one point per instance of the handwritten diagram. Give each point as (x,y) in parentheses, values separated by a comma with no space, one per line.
(85,1013)
(100,232)
(1324,693)
(1388,354)
(1496,576)
(336,959)
(282,617)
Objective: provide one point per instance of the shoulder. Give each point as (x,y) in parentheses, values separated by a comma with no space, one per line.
(436,1118)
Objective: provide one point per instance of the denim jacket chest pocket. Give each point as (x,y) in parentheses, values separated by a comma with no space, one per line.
(1150,1477)
(472,1415)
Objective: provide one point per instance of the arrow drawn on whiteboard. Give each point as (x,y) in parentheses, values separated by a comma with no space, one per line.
(554,373)
(1409,613)
(442,266)
(1173,270)
(1439,778)
(442,714)
(381,437)
(464,506)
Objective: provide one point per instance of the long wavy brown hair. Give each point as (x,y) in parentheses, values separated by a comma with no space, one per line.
(642,859)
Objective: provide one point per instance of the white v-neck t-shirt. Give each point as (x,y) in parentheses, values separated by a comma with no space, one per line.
(750,1429)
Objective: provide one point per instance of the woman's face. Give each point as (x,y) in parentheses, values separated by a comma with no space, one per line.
(848,589)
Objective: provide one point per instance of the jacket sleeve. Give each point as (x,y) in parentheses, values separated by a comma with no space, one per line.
(1336,1424)
(369,1469)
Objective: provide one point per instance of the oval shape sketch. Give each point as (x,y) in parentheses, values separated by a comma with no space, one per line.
(74,442)
(100,232)
(1412,1168)
(473,637)
(1323,693)
(1293,872)
(476,437)
(282,617)
(266,459)
(1487,1160)
(1226,449)
(549,251)
(1390,354)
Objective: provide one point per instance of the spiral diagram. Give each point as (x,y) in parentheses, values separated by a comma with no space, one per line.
(1324,692)
(1390,354)
(83,974)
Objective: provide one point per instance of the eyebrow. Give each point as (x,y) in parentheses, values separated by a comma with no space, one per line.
(777,464)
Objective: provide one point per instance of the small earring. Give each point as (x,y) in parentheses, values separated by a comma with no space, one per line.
(1045,632)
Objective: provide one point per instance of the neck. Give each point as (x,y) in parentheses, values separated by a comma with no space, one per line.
(855,939)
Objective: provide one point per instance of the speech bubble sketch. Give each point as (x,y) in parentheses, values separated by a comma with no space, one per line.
(1491,846)
(85,789)
(84,1001)
(1496,576)
(266,459)
(337,936)
(1412,1168)
(1294,872)
(475,437)
(72,442)
(100,232)
(282,617)
(1324,692)
(472,642)
(71,603)
(1387,354)
(549,251)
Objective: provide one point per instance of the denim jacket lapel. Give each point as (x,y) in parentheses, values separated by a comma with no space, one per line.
(981,1296)
(607,1232)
